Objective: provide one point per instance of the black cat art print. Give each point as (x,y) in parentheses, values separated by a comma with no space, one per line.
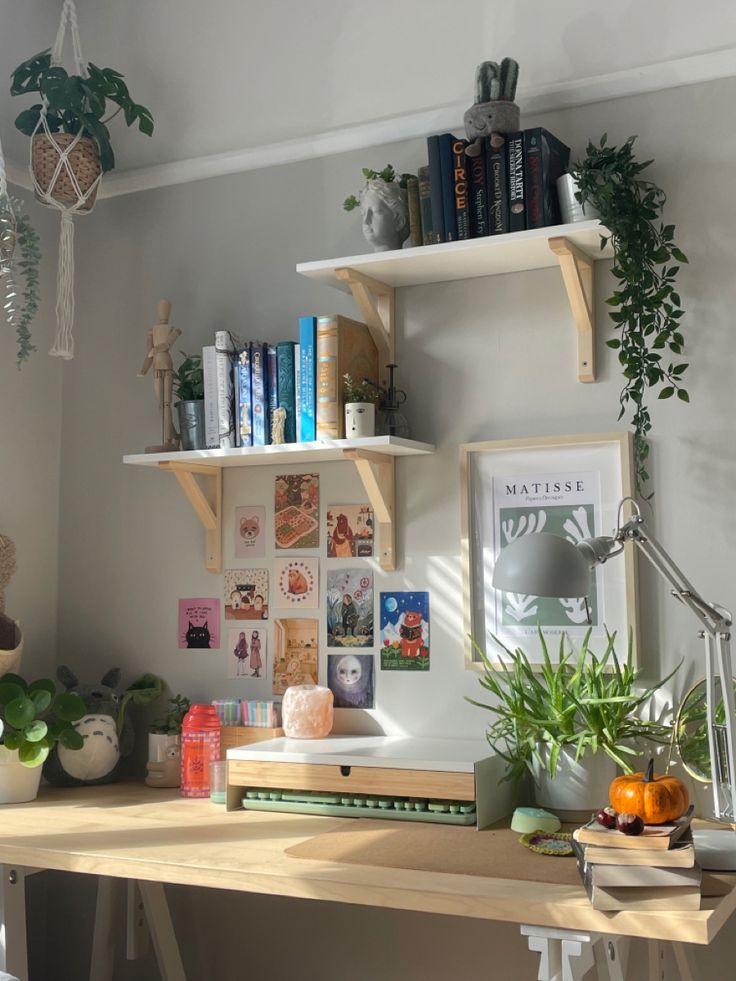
(198,636)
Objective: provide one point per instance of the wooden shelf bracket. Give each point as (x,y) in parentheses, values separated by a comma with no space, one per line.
(577,275)
(207,504)
(377,304)
(377,471)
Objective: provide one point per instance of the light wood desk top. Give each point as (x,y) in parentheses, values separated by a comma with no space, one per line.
(133,831)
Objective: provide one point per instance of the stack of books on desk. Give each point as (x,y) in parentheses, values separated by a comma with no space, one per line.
(652,871)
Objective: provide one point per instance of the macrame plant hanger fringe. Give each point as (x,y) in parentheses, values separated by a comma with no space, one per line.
(64,342)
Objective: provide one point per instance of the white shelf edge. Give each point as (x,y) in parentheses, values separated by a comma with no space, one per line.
(317,452)
(468,259)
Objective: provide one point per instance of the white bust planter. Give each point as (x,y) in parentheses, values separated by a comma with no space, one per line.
(10,660)
(18,783)
(360,420)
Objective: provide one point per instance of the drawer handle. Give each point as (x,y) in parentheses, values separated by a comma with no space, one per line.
(345,770)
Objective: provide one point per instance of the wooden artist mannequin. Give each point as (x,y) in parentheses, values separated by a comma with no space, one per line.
(161,338)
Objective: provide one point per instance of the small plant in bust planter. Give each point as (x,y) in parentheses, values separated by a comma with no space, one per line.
(33,719)
(360,400)
(164,745)
(189,390)
(384,206)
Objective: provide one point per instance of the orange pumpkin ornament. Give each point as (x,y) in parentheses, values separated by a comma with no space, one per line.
(656,800)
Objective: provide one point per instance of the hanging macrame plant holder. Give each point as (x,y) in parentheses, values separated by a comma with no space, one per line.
(66,174)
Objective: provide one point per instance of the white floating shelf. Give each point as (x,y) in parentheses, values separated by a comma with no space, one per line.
(291,453)
(467,259)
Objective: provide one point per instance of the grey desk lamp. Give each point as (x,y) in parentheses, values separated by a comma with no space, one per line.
(541,564)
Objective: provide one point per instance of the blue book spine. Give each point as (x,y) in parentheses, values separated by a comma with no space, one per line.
(272,370)
(308,378)
(285,356)
(448,186)
(435,190)
(259,389)
(245,404)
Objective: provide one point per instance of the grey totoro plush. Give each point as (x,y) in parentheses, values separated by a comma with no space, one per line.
(99,759)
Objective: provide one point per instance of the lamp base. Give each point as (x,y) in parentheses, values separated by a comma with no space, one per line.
(715,849)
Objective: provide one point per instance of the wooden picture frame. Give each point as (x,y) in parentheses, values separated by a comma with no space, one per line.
(569,485)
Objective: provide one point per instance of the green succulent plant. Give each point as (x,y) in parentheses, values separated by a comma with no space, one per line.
(171,722)
(189,378)
(388,174)
(34,717)
(362,391)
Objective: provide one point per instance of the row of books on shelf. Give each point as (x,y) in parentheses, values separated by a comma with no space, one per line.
(656,870)
(247,381)
(505,182)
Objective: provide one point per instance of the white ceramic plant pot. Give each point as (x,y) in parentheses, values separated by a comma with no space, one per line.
(18,783)
(164,759)
(570,209)
(577,789)
(360,419)
(10,660)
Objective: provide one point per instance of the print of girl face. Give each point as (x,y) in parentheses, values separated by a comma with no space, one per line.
(349,671)
(254,635)
(235,599)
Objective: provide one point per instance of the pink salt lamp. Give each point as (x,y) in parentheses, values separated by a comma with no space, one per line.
(307,712)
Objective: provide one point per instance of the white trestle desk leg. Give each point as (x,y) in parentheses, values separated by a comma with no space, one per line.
(656,960)
(162,931)
(108,908)
(685,966)
(13,942)
(563,954)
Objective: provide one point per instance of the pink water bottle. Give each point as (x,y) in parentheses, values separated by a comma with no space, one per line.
(200,746)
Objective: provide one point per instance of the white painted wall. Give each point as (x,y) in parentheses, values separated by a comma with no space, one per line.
(483,359)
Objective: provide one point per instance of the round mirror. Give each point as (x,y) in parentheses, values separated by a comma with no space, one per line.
(691,731)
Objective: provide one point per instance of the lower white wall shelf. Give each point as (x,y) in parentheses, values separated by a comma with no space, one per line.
(374,458)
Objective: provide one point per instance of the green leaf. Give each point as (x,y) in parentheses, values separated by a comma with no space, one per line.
(69,707)
(13,739)
(667,392)
(10,691)
(35,731)
(33,754)
(70,738)
(682,395)
(20,712)
(41,700)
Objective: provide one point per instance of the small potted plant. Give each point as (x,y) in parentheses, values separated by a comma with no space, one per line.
(360,400)
(33,719)
(384,205)
(164,745)
(77,109)
(569,724)
(189,390)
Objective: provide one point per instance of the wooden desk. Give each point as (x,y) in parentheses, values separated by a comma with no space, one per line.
(135,832)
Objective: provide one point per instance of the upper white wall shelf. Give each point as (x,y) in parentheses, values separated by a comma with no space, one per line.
(373,278)
(468,259)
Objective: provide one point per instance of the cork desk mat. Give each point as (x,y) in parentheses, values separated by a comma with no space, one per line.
(493,853)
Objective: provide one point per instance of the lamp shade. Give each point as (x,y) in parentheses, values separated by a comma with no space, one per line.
(541,564)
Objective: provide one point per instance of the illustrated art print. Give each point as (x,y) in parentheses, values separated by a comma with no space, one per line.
(247,653)
(296,583)
(296,506)
(350,678)
(295,653)
(349,608)
(349,531)
(250,532)
(246,594)
(199,624)
(404,631)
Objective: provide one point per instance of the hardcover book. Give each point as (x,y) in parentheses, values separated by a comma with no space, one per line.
(498,184)
(680,856)
(475,156)
(225,346)
(242,368)
(435,185)
(344,346)
(307,379)
(298,392)
(515,181)
(448,186)
(460,188)
(425,206)
(285,356)
(259,393)
(643,897)
(272,370)
(654,836)
(415,216)
(209,377)
(545,159)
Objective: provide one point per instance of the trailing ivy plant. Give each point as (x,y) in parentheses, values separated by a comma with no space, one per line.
(19,284)
(647,305)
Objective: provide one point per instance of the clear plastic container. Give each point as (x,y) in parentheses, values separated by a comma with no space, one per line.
(200,746)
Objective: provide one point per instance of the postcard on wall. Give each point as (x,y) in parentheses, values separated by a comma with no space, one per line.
(246,594)
(296,583)
(199,623)
(349,608)
(295,653)
(247,653)
(350,678)
(404,631)
(250,532)
(349,531)
(296,507)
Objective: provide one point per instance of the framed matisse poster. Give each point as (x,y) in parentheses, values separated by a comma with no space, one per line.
(564,485)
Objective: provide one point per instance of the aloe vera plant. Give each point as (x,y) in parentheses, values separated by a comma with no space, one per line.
(586,703)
